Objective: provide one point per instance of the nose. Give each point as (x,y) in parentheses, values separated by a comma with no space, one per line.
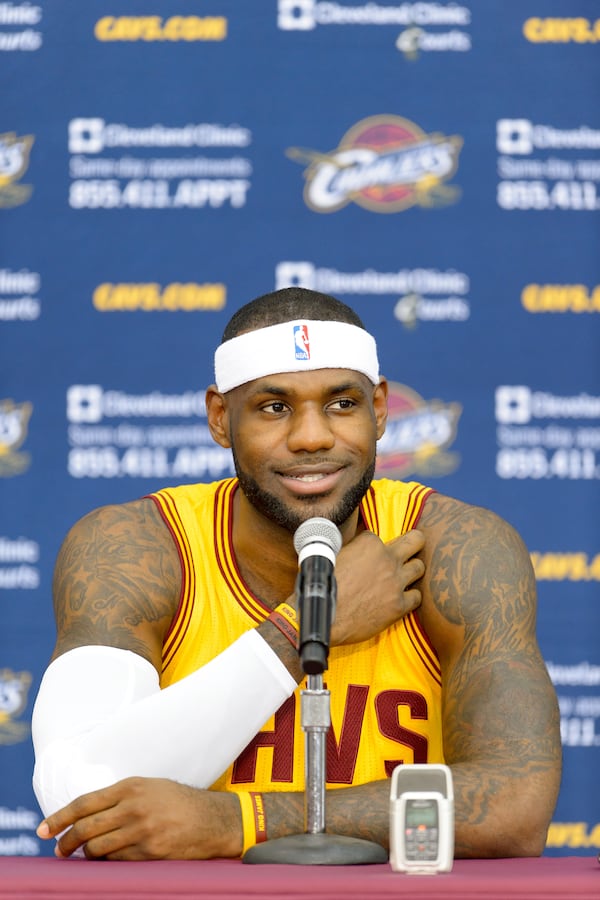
(310,430)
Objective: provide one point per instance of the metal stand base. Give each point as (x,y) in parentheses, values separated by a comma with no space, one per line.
(317,850)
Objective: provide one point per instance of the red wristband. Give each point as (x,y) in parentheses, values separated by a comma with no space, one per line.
(285,619)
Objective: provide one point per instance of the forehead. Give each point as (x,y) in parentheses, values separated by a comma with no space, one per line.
(300,384)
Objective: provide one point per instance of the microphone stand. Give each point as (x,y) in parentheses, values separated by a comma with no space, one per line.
(314,846)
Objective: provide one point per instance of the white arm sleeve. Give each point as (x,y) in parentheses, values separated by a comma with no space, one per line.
(100,716)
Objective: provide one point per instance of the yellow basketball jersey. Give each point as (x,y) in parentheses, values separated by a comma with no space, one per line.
(385,692)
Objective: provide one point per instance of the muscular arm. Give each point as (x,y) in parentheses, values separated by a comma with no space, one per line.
(100,715)
(117,581)
(500,714)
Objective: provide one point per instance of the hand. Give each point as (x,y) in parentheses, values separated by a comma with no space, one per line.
(375,585)
(148,818)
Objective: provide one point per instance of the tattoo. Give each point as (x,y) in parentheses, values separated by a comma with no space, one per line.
(361,811)
(117,581)
(500,715)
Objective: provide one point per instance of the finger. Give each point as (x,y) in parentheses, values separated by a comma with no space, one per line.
(408,544)
(57,822)
(97,834)
(115,844)
(86,829)
(363,538)
(75,837)
(127,853)
(413,600)
(413,569)
(85,805)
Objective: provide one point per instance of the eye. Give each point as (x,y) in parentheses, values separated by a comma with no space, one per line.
(343,403)
(275,406)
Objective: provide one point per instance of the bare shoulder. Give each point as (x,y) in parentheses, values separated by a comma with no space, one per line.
(117,580)
(478,573)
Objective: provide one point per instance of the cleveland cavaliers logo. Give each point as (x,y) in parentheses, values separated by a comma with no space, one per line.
(14,424)
(417,435)
(14,160)
(14,688)
(385,164)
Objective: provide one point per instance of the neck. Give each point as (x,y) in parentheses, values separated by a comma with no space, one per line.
(265,552)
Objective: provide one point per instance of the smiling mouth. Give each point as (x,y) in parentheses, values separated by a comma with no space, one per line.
(316,476)
(308,481)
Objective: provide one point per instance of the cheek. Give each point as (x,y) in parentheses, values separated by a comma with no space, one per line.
(362,436)
(253,447)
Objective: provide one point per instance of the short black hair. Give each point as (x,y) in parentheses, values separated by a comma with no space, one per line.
(286,305)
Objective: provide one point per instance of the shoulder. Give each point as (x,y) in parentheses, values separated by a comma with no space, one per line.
(117,580)
(137,519)
(449,524)
(477,569)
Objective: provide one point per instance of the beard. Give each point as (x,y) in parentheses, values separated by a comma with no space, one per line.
(276,510)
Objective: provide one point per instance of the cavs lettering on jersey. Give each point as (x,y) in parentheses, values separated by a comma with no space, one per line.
(385,692)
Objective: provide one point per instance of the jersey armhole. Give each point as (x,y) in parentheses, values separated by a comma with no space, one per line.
(160,503)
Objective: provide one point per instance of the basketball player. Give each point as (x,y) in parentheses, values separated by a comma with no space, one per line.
(168,722)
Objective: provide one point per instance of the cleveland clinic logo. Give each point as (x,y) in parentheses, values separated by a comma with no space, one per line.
(296,15)
(86,135)
(385,164)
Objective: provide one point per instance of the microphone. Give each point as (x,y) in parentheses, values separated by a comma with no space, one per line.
(317,543)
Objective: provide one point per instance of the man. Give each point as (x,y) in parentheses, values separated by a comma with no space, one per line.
(167,724)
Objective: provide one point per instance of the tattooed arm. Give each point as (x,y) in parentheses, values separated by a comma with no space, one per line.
(100,707)
(117,581)
(500,714)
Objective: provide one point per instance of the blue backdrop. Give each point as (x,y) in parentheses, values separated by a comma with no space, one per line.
(434,164)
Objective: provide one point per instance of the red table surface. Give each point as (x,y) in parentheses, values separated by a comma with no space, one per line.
(508,879)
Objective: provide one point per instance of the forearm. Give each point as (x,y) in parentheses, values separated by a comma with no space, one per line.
(90,731)
(502,810)
(498,812)
(360,811)
(505,756)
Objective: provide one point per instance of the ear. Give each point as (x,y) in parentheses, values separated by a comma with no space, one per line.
(380,406)
(218,416)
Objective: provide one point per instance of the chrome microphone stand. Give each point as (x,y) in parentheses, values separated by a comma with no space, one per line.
(315,846)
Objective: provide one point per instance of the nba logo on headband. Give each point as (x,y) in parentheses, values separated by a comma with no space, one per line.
(301,342)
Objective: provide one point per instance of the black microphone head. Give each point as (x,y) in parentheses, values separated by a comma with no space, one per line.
(318,530)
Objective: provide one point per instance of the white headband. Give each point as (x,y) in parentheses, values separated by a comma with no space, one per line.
(297,346)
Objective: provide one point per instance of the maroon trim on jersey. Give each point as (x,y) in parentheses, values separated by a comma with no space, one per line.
(222,534)
(424,499)
(368,511)
(179,624)
(252,605)
(163,516)
(414,505)
(420,641)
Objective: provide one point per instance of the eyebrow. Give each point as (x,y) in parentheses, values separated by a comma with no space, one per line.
(277,391)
